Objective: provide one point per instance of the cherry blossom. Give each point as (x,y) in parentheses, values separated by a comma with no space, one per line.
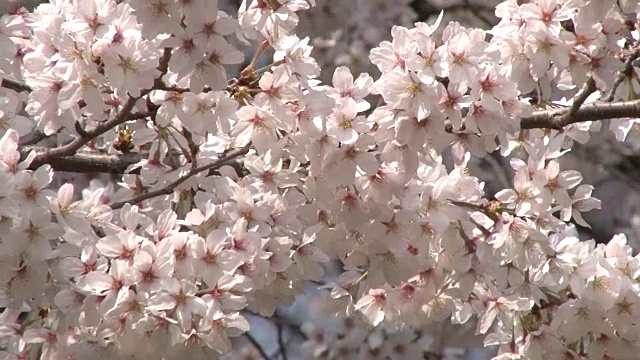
(248,184)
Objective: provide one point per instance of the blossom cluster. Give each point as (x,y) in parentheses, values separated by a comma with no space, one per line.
(246,187)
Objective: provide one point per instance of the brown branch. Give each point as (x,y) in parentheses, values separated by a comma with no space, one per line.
(14,85)
(165,87)
(570,113)
(96,162)
(557,118)
(587,89)
(89,162)
(168,189)
(36,135)
(71,148)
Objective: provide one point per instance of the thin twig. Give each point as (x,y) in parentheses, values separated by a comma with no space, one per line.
(485,209)
(194,171)
(587,89)
(278,316)
(486,232)
(281,345)
(468,206)
(256,345)
(624,73)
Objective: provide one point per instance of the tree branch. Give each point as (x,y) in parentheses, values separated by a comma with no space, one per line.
(567,117)
(97,162)
(88,162)
(118,163)
(50,155)
(587,89)
(14,85)
(557,118)
(168,189)
(62,158)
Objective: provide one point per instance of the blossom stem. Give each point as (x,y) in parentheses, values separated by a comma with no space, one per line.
(360,279)
(267,67)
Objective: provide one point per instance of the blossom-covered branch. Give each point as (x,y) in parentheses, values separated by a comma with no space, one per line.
(50,155)
(123,115)
(118,163)
(168,189)
(115,163)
